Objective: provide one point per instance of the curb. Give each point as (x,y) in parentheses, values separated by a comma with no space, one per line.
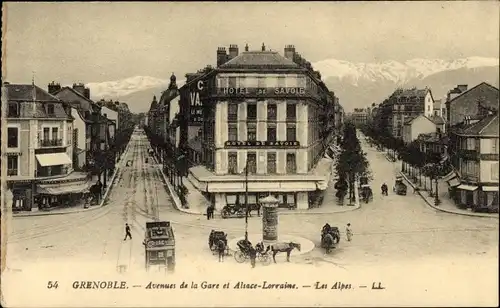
(446,210)
(80,210)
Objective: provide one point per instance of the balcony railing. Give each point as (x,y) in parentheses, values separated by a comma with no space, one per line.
(11,172)
(52,172)
(51,142)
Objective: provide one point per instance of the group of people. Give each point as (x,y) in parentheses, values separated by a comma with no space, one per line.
(348,230)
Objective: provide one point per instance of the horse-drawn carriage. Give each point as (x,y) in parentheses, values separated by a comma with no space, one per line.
(400,187)
(238,210)
(214,240)
(245,249)
(330,237)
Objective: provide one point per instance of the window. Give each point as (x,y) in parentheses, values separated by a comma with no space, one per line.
(12,137)
(232,162)
(251,132)
(232,82)
(291,111)
(469,168)
(12,165)
(271,163)
(272,112)
(252,162)
(470,144)
(251,111)
(291,163)
(494,172)
(428,107)
(291,134)
(75,137)
(494,146)
(232,112)
(261,82)
(50,108)
(271,133)
(55,130)
(46,133)
(13,110)
(232,132)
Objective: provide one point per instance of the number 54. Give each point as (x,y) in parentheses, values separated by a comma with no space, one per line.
(52,284)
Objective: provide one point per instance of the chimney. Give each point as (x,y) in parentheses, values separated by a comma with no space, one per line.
(289,52)
(221,56)
(462,87)
(246,47)
(80,88)
(53,87)
(263,47)
(233,51)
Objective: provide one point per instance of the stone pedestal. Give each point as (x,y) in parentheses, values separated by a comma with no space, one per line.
(269,219)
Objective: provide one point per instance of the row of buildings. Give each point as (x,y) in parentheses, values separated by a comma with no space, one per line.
(464,129)
(259,122)
(56,139)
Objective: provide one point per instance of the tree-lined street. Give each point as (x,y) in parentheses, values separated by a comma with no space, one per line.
(395,227)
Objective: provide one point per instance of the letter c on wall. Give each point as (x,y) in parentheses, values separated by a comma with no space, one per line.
(200,84)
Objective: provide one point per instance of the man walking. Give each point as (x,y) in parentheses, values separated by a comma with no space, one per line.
(212,210)
(348,232)
(209,214)
(127,232)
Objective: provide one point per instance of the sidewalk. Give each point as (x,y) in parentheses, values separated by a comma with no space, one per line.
(79,208)
(446,204)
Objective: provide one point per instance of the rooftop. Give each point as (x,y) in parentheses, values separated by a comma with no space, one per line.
(259,59)
(487,126)
(24,92)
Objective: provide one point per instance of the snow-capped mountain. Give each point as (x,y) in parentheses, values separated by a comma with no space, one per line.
(394,71)
(356,84)
(119,88)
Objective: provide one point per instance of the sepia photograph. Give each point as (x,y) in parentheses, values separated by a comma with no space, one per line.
(250,154)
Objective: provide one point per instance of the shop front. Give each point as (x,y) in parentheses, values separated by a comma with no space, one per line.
(22,195)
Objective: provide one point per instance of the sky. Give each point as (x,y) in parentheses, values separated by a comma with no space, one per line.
(96,42)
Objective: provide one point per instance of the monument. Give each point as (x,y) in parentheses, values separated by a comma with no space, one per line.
(269,219)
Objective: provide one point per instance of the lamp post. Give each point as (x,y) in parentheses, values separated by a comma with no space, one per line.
(246,200)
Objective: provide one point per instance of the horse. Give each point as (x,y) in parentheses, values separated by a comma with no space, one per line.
(221,249)
(284,247)
(328,242)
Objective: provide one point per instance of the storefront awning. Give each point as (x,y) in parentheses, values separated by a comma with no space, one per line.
(490,188)
(64,188)
(467,187)
(53,159)
(450,176)
(454,182)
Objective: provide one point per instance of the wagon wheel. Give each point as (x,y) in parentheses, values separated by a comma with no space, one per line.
(240,257)
(224,213)
(264,258)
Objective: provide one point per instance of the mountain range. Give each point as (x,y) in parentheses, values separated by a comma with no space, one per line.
(356,84)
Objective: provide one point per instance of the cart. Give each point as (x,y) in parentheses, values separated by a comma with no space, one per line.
(400,187)
(159,243)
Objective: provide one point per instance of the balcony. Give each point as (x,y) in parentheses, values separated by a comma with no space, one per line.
(12,172)
(47,143)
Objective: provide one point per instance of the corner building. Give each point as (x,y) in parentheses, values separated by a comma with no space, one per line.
(270,114)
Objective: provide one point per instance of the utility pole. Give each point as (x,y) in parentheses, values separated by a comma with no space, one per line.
(246,200)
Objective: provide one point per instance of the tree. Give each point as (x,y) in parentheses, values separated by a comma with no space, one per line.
(352,162)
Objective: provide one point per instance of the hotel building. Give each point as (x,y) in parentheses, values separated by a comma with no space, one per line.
(267,121)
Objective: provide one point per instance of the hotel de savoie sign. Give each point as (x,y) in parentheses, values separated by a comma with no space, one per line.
(277,91)
(261,144)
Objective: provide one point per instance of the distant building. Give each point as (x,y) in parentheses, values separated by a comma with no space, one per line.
(359,116)
(413,127)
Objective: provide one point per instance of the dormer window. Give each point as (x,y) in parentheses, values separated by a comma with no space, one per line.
(50,108)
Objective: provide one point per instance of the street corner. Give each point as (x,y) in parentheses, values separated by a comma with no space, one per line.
(306,245)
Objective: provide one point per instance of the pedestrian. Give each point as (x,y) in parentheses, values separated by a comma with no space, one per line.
(348,232)
(127,232)
(212,210)
(221,248)
(252,253)
(208,213)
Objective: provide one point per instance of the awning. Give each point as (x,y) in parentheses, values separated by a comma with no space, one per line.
(490,188)
(467,187)
(64,188)
(450,176)
(53,159)
(454,182)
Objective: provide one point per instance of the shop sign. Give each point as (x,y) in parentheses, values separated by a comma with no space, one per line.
(156,243)
(277,91)
(195,104)
(262,144)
